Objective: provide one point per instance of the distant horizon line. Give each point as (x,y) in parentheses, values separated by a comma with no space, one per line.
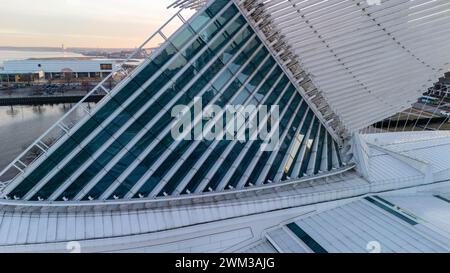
(68,48)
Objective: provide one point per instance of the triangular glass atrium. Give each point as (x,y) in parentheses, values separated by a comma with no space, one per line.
(125,149)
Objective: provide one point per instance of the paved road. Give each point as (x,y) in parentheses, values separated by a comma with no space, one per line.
(427,108)
(31,91)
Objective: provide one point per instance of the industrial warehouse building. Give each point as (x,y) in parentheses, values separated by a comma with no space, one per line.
(56,69)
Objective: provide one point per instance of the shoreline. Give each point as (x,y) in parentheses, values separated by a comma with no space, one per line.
(42,100)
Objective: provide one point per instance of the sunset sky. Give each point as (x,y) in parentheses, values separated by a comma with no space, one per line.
(80,23)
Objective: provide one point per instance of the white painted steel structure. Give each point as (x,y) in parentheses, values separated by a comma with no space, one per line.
(340,66)
(369,61)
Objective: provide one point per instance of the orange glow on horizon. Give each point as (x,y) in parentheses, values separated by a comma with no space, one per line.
(81,23)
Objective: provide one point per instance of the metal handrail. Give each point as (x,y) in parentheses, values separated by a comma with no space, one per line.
(209,195)
(40,142)
(365,188)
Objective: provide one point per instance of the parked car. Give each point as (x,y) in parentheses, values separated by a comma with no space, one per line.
(445,114)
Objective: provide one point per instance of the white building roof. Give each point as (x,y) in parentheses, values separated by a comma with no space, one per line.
(335,215)
(362,227)
(425,148)
(56,65)
(260,247)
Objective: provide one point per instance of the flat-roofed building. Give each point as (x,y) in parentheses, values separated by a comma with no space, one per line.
(56,68)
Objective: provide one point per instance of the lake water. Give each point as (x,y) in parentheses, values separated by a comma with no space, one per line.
(6,55)
(20,126)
